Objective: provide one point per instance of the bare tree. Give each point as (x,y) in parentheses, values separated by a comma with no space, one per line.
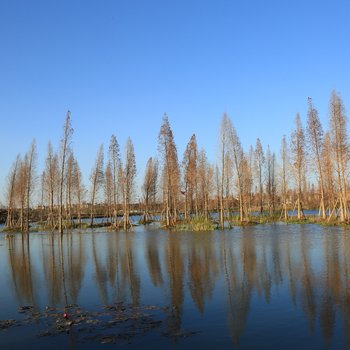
(69,187)
(238,161)
(340,146)
(189,165)
(114,158)
(271,180)
(96,179)
(108,190)
(149,187)
(329,181)
(129,175)
(284,177)
(51,181)
(315,138)
(21,191)
(247,183)
(11,192)
(224,140)
(170,171)
(298,151)
(42,196)
(259,168)
(30,163)
(64,151)
(79,189)
(205,182)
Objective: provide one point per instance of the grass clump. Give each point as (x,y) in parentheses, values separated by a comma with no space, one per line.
(196,225)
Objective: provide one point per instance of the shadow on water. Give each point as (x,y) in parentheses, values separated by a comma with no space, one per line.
(272,285)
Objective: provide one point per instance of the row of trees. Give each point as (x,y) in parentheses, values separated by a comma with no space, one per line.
(311,171)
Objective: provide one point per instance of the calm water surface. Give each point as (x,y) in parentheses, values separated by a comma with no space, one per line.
(263,287)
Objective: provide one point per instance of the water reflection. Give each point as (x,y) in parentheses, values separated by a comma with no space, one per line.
(22,273)
(228,273)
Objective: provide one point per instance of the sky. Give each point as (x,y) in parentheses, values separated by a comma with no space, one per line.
(119,65)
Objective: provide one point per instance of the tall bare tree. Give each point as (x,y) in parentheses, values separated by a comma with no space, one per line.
(189,165)
(11,192)
(246,184)
(96,179)
(224,140)
(170,171)
(30,165)
(340,146)
(64,151)
(79,189)
(315,138)
(149,187)
(129,175)
(298,152)
(238,161)
(284,177)
(108,190)
(114,158)
(329,181)
(69,187)
(205,182)
(271,180)
(259,168)
(21,191)
(51,181)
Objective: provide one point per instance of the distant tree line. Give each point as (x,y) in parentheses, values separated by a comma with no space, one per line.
(310,171)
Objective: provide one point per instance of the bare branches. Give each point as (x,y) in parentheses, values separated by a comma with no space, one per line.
(315,138)
(63,155)
(149,187)
(340,147)
(129,174)
(170,171)
(114,160)
(189,165)
(259,167)
(298,153)
(11,192)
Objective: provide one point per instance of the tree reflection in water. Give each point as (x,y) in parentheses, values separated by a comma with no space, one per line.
(232,271)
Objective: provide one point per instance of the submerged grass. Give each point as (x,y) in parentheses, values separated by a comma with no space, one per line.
(196,225)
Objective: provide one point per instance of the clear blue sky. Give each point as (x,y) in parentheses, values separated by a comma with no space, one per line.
(118,65)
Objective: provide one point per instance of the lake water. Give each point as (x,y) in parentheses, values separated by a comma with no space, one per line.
(273,286)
